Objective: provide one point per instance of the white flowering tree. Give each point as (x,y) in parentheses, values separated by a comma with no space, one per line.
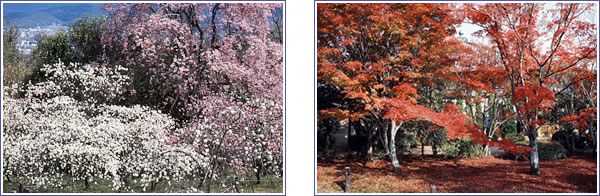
(49,135)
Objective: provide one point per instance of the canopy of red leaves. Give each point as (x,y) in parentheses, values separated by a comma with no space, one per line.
(582,119)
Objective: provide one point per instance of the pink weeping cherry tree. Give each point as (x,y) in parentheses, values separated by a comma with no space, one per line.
(216,67)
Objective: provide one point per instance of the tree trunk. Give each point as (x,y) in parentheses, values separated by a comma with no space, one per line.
(327,145)
(392,148)
(422,149)
(572,136)
(258,171)
(87,182)
(370,145)
(348,151)
(533,155)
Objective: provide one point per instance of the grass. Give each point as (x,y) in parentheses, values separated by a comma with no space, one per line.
(269,184)
(575,174)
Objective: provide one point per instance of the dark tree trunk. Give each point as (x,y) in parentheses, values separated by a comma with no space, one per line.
(369,144)
(258,171)
(152,186)
(348,138)
(21,188)
(533,155)
(87,183)
(327,146)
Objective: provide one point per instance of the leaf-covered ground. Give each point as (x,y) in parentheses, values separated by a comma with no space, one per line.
(575,174)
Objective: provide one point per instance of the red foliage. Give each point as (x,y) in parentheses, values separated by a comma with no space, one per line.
(529,98)
(470,175)
(582,119)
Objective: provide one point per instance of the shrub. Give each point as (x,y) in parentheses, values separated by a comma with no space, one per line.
(463,147)
(15,73)
(547,151)
(510,132)
(80,43)
(54,48)
(551,150)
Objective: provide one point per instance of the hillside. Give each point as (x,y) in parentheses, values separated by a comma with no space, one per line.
(32,15)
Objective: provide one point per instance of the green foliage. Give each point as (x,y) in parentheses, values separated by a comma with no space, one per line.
(510,132)
(437,137)
(85,35)
(509,127)
(80,43)
(378,155)
(547,151)
(422,135)
(550,150)
(463,147)
(54,48)
(404,140)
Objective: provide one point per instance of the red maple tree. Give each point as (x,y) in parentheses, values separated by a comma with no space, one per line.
(537,46)
(379,54)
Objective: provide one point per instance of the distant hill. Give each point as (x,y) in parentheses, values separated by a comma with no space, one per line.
(27,15)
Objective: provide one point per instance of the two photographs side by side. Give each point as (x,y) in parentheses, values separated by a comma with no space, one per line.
(189,97)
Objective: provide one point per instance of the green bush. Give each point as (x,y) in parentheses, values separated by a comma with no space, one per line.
(463,147)
(509,132)
(55,47)
(550,150)
(547,151)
